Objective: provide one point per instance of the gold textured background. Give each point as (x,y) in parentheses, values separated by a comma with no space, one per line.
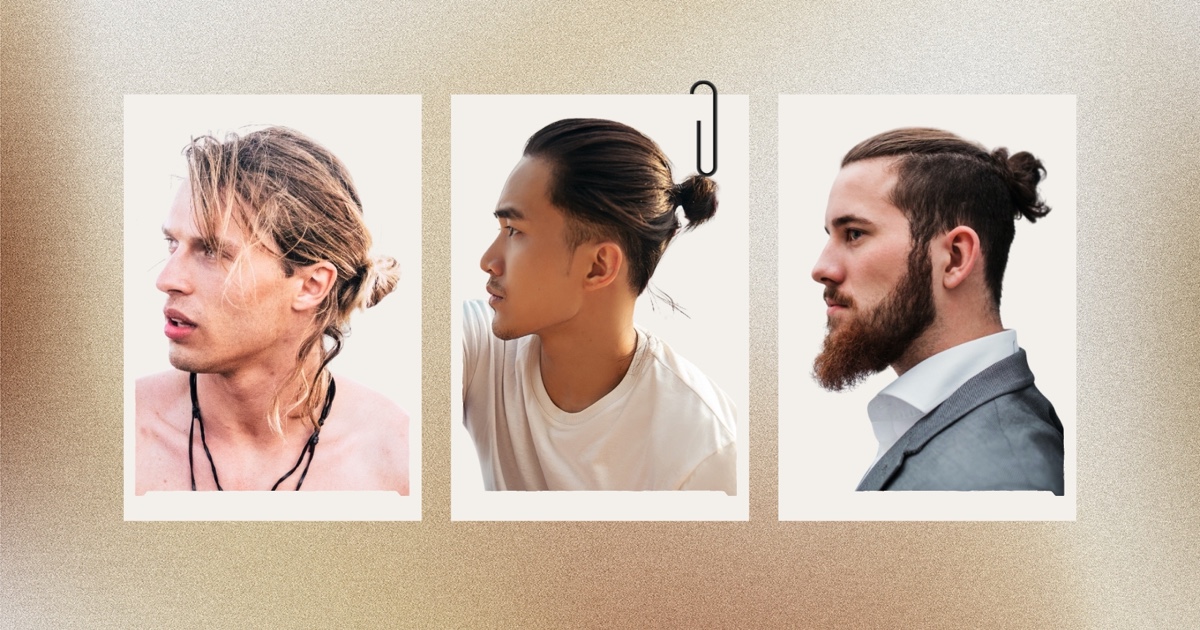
(68,559)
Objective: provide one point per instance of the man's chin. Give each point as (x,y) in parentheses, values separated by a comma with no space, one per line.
(832,379)
(505,333)
(184,363)
(844,364)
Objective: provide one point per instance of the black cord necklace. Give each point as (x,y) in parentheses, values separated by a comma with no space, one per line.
(310,447)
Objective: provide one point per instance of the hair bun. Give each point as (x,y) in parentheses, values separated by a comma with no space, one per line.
(698,197)
(379,279)
(1022,172)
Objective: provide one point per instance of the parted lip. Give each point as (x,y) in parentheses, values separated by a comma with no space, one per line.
(174,315)
(494,290)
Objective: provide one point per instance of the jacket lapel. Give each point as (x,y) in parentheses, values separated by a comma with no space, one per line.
(1003,377)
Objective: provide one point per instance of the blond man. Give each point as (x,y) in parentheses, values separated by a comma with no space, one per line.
(267,257)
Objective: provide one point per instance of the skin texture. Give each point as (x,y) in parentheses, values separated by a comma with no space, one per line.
(246,319)
(363,445)
(240,302)
(536,281)
(578,302)
(868,243)
(874,297)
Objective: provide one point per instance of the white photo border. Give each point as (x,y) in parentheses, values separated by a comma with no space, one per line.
(378,137)
(706,271)
(825,440)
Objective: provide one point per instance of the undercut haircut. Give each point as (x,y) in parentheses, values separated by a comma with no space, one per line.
(614,183)
(944,181)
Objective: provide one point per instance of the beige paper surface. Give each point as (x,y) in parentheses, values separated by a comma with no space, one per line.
(69,560)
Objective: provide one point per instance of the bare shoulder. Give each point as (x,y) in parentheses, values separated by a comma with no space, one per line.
(377,428)
(162,412)
(158,391)
(370,410)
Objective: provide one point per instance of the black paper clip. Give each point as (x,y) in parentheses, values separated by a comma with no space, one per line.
(714,133)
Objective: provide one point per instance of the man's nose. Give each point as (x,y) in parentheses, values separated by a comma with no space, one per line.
(492,262)
(174,278)
(828,269)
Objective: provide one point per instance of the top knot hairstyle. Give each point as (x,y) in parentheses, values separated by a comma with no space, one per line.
(297,201)
(944,181)
(615,183)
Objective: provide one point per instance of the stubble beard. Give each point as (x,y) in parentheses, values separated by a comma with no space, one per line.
(504,333)
(180,361)
(498,329)
(868,343)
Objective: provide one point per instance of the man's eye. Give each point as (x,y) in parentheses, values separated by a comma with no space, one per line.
(512,231)
(853,234)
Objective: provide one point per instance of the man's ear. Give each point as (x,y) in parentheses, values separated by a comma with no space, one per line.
(316,281)
(959,255)
(606,262)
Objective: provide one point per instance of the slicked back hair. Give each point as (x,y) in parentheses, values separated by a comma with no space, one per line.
(944,181)
(613,182)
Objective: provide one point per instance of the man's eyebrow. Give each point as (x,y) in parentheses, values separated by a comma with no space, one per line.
(508,212)
(197,240)
(851,218)
(847,219)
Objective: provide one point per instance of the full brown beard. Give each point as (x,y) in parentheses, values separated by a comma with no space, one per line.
(868,343)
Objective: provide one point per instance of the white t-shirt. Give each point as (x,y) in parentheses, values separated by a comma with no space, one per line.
(666,426)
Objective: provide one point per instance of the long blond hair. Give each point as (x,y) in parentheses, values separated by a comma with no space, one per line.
(296,199)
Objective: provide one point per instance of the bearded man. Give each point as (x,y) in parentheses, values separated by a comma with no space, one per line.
(920,223)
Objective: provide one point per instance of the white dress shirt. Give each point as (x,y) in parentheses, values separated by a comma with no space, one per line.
(929,383)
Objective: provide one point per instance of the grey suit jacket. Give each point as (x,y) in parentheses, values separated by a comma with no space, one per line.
(996,432)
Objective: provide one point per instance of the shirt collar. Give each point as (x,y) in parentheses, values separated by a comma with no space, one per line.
(929,383)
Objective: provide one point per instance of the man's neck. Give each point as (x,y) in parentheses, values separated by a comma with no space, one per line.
(237,404)
(587,359)
(943,335)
